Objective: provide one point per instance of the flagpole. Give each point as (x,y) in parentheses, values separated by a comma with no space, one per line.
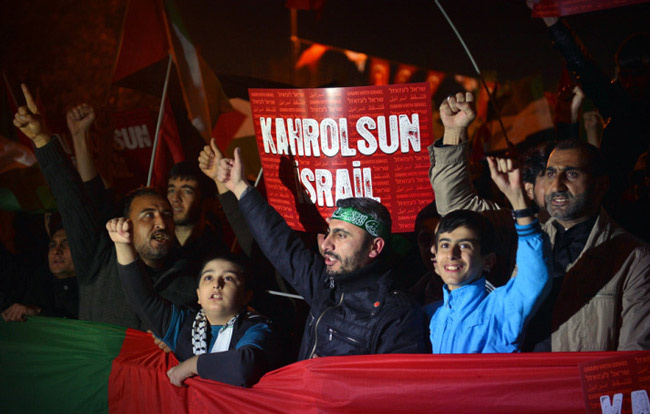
(161,113)
(478,72)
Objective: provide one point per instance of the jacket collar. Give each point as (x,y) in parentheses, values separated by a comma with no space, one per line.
(465,296)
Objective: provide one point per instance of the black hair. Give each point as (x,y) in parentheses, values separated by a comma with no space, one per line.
(239,260)
(368,206)
(473,221)
(186,170)
(428,212)
(596,163)
(142,191)
(533,162)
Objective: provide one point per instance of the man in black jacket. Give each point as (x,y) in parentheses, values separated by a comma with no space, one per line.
(101,297)
(349,288)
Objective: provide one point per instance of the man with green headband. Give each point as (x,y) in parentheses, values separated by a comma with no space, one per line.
(354,308)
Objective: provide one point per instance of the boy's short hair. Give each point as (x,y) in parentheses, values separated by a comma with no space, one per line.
(473,221)
(185,170)
(534,161)
(238,259)
(429,211)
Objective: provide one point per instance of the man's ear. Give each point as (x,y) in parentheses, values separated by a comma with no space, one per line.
(530,190)
(377,247)
(489,261)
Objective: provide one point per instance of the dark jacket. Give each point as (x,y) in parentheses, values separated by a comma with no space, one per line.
(101,298)
(359,313)
(241,365)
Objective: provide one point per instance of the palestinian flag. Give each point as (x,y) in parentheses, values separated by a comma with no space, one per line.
(68,366)
(525,112)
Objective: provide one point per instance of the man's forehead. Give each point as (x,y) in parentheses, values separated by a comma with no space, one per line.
(180,182)
(568,158)
(149,202)
(59,235)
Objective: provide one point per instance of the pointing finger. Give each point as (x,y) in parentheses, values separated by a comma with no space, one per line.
(31,104)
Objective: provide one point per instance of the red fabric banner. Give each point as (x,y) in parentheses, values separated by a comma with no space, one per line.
(489,383)
(144,38)
(320,145)
(556,8)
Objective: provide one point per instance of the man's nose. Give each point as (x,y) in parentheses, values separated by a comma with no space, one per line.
(159,222)
(326,244)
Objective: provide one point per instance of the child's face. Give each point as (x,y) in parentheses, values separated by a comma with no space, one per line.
(458,257)
(221,291)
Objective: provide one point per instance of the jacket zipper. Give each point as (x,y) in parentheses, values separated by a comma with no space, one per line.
(354,341)
(313,349)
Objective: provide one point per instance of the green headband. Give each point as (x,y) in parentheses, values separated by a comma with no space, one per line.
(374,227)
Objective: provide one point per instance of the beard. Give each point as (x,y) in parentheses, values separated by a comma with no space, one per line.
(574,208)
(348,264)
(149,252)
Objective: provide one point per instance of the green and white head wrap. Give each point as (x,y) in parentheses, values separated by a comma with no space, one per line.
(375,228)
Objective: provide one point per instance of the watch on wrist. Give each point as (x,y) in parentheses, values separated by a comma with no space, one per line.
(524,212)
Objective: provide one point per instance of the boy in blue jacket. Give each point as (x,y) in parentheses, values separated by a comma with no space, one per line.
(468,319)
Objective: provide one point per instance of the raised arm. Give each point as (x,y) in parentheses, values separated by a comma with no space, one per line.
(80,119)
(154,311)
(449,173)
(533,282)
(79,218)
(291,258)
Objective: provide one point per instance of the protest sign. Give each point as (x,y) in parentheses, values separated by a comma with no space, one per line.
(321,145)
(617,385)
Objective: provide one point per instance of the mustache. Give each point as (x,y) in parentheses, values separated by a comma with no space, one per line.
(564,194)
(334,255)
(160,234)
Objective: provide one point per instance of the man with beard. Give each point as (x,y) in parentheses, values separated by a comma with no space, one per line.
(101,297)
(600,297)
(354,309)
(601,287)
(186,191)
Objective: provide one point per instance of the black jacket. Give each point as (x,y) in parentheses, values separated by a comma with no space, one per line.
(355,314)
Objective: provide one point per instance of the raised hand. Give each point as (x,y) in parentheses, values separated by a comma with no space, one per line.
(457,113)
(231,173)
(120,230)
(209,159)
(28,120)
(506,175)
(80,118)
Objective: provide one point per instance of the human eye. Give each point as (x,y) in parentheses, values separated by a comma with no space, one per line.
(443,245)
(550,173)
(466,246)
(148,215)
(188,191)
(229,278)
(170,191)
(572,175)
(51,245)
(207,278)
(64,244)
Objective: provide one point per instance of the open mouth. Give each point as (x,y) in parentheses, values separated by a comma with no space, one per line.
(216,296)
(453,268)
(160,237)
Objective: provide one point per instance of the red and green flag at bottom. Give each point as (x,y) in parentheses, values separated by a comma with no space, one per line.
(69,366)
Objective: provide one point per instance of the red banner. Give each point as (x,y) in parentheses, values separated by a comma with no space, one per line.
(321,145)
(473,383)
(556,8)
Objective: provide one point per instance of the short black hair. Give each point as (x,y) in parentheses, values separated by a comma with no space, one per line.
(533,162)
(473,221)
(142,191)
(240,260)
(596,163)
(186,170)
(368,206)
(430,211)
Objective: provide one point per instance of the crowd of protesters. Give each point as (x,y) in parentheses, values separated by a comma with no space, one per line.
(549,270)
